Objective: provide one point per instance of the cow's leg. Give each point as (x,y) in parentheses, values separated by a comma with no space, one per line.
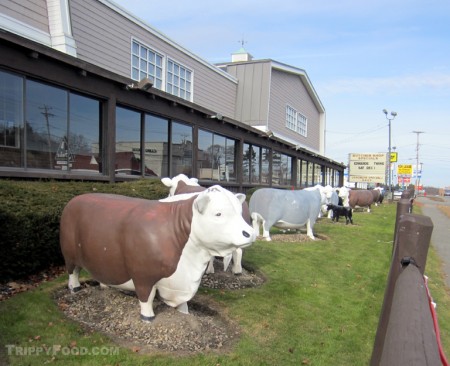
(309,231)
(210,268)
(256,221)
(266,234)
(330,214)
(183,308)
(237,261)
(368,208)
(74,280)
(226,261)
(147,314)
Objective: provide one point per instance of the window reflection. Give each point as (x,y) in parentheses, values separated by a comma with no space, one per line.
(11,120)
(265,165)
(156,145)
(181,149)
(84,148)
(128,142)
(281,169)
(216,157)
(46,125)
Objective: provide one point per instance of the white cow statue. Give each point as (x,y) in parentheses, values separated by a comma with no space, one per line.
(183,184)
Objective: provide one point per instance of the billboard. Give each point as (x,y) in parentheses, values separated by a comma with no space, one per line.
(367,167)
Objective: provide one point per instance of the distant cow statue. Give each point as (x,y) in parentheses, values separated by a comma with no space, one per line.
(147,246)
(356,198)
(378,195)
(183,184)
(328,196)
(284,209)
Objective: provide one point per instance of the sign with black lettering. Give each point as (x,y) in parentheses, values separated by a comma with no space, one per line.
(367,167)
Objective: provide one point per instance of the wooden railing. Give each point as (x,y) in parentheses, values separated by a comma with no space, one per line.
(406,332)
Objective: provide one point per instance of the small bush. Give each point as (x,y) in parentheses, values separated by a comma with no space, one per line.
(30,213)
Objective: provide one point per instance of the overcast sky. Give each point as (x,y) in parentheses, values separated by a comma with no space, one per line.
(361,57)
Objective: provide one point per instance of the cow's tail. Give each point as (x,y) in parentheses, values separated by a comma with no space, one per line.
(257,222)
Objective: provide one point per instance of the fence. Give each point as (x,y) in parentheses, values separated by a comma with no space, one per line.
(407,332)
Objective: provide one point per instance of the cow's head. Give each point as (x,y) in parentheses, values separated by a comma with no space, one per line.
(344,193)
(173,183)
(217,223)
(328,190)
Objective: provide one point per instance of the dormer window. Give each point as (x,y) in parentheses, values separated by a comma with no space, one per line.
(146,63)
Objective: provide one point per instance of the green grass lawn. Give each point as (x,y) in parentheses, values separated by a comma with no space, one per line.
(319,306)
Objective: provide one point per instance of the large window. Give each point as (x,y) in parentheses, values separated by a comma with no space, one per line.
(216,157)
(179,80)
(62,129)
(146,63)
(296,121)
(164,154)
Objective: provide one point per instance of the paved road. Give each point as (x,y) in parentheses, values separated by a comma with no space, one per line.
(440,238)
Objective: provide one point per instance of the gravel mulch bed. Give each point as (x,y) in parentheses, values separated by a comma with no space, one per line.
(116,314)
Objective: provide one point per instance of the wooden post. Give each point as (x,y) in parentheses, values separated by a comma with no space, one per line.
(412,241)
(410,336)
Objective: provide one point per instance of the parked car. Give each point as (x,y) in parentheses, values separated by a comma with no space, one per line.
(397,194)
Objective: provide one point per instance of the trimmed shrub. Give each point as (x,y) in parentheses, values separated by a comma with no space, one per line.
(30,213)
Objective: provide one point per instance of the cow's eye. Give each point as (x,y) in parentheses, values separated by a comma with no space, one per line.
(218,214)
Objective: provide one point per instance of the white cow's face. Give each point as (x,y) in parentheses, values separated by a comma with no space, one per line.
(217,223)
(344,192)
(328,192)
(173,183)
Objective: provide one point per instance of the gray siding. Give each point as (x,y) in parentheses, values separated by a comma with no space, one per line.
(103,37)
(31,12)
(252,101)
(288,89)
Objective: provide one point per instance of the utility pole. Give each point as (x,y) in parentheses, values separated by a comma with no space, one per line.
(47,114)
(416,187)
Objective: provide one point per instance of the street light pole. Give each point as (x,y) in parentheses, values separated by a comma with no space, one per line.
(393,115)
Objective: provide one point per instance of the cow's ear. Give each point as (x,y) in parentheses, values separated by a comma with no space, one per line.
(202,202)
(240,197)
(167,182)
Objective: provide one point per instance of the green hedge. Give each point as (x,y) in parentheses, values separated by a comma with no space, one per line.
(30,213)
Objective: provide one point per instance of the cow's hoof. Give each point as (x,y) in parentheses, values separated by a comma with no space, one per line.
(147,319)
(75,289)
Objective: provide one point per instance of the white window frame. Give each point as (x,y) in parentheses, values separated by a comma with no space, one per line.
(296,121)
(147,65)
(177,81)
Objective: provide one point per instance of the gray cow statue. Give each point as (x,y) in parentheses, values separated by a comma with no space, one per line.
(285,209)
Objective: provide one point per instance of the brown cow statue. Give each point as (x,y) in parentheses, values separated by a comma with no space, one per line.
(145,246)
(356,197)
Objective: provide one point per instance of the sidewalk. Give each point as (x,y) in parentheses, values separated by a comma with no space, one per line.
(440,238)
